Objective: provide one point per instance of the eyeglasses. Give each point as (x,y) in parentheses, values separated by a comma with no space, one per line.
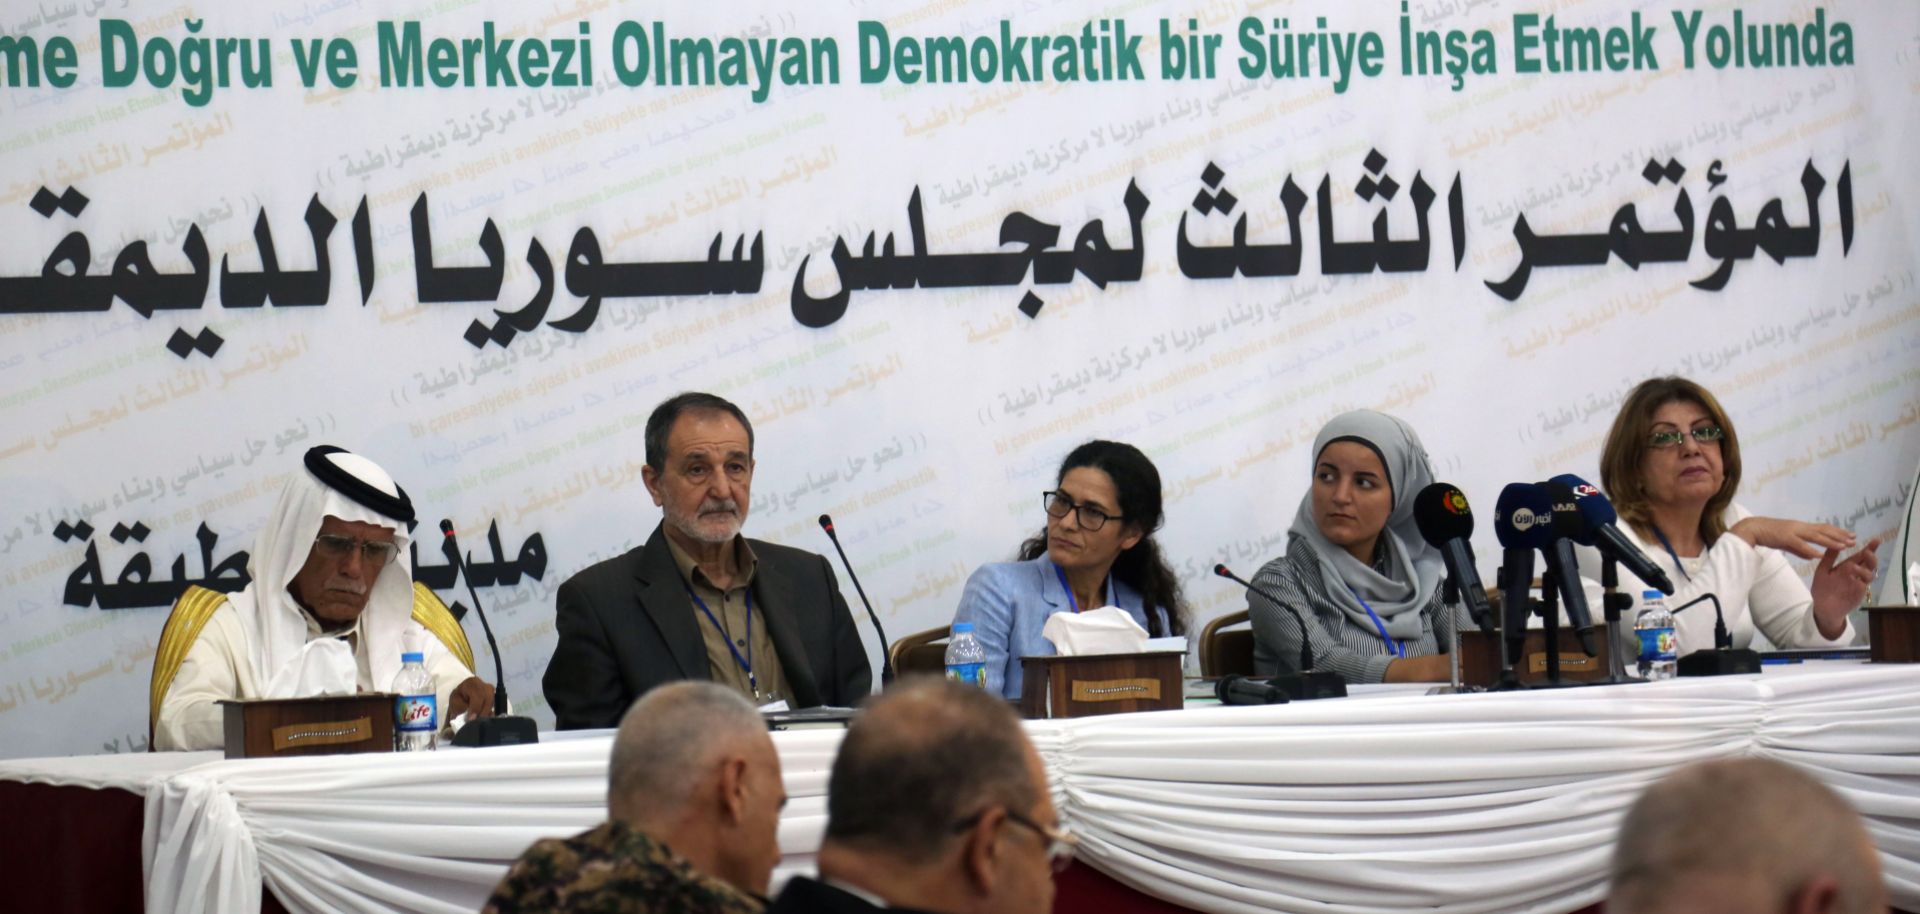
(1091,518)
(338,547)
(1705,434)
(1061,844)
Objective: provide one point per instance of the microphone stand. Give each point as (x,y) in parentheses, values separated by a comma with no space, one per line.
(502,729)
(1450,598)
(1612,604)
(1507,647)
(1549,607)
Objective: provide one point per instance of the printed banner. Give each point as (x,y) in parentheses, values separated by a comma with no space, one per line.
(928,248)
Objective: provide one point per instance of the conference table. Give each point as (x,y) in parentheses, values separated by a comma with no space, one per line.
(1389,800)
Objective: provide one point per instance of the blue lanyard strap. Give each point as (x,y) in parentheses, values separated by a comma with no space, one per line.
(1677,564)
(746,662)
(1072,601)
(1399,650)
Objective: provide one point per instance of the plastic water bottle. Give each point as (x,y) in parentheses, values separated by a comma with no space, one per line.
(416,712)
(966,659)
(1659,648)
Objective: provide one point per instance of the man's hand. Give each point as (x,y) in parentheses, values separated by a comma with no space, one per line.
(473,698)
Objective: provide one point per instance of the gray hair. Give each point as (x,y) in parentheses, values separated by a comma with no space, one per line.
(669,740)
(919,761)
(1759,821)
(660,423)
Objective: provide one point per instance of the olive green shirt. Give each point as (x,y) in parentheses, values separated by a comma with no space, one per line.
(730,608)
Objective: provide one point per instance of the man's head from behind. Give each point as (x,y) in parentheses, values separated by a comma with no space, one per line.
(693,768)
(1744,836)
(700,465)
(938,800)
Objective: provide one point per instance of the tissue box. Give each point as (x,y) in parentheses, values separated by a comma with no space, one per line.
(328,725)
(1092,684)
(1893,634)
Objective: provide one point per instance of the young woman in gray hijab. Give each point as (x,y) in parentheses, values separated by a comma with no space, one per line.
(1356,567)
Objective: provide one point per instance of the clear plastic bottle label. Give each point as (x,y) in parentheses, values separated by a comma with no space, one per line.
(416,713)
(1658,644)
(973,674)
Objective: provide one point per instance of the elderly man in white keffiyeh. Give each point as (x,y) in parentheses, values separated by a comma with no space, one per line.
(330,609)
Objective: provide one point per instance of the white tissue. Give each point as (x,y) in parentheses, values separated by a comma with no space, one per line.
(1107,630)
(325,666)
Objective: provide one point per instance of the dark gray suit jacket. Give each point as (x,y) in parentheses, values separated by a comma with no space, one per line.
(627,625)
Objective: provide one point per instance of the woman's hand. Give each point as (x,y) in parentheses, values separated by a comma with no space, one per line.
(1425,668)
(1796,537)
(1840,586)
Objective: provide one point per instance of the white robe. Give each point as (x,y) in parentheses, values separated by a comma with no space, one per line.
(219,666)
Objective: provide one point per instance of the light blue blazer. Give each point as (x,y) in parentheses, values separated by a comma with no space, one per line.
(1008,604)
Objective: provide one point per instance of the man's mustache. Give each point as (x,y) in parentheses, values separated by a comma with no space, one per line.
(720,506)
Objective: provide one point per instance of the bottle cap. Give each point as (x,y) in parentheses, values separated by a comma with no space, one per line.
(961,628)
(1652,595)
(413,657)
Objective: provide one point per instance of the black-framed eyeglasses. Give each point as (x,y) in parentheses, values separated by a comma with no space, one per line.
(1058,504)
(338,547)
(1671,437)
(1061,844)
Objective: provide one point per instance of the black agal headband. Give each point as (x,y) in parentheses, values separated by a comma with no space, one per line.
(399,507)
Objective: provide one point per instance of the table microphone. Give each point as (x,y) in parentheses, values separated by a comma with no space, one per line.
(1603,533)
(501,729)
(1446,523)
(1306,683)
(1246,690)
(1569,527)
(1724,659)
(886,662)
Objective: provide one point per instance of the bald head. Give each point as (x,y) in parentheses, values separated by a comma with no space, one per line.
(919,760)
(1744,835)
(672,739)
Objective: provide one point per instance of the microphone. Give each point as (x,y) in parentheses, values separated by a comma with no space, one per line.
(1245,690)
(1603,533)
(1568,527)
(886,662)
(1724,659)
(1523,522)
(1305,684)
(1446,523)
(500,729)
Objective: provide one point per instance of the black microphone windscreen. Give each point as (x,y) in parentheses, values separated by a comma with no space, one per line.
(1523,517)
(1593,505)
(826,523)
(1568,522)
(446,526)
(1441,512)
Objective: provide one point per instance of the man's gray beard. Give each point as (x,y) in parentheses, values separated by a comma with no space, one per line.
(693,530)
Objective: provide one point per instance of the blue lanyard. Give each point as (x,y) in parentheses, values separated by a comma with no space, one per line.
(1398,649)
(746,662)
(1061,573)
(1662,537)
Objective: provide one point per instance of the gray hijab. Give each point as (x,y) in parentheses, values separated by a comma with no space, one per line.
(1414,569)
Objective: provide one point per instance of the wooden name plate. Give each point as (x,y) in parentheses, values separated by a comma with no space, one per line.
(331,725)
(1100,684)
(1893,633)
(1480,660)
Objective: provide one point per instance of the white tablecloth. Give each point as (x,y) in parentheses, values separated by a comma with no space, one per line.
(1467,803)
